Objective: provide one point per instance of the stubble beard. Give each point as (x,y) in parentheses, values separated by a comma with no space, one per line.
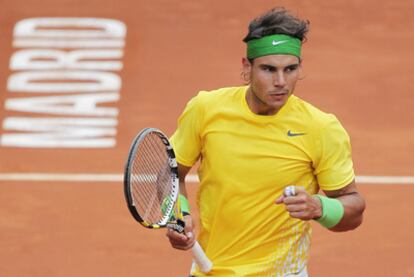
(258,102)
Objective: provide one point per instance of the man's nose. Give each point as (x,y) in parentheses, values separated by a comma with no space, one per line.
(279,79)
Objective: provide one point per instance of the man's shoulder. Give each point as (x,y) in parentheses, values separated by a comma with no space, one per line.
(312,113)
(220,94)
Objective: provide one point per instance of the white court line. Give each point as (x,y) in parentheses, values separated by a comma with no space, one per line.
(66,177)
(408,180)
(83,177)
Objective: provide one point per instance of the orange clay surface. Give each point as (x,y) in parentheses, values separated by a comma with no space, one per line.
(357,64)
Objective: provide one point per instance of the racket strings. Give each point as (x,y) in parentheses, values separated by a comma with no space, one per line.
(145,192)
(163,172)
(157,192)
(144,185)
(151,179)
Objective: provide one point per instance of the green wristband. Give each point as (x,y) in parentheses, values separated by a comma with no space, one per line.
(332,211)
(185,206)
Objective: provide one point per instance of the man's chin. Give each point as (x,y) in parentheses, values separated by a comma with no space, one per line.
(278,100)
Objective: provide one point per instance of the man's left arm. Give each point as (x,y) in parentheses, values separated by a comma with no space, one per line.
(343,207)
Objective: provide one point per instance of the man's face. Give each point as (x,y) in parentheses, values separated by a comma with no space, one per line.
(272,81)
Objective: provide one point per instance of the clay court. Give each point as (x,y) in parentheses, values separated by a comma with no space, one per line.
(63,211)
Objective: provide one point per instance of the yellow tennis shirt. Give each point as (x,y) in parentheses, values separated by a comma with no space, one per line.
(246,160)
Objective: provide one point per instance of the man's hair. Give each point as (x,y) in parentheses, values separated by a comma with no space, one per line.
(277,21)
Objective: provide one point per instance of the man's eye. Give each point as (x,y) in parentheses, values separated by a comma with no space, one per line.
(269,68)
(291,68)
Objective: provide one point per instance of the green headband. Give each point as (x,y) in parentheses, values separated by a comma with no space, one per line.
(273,45)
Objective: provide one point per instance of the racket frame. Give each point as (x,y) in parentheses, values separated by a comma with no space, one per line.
(174,178)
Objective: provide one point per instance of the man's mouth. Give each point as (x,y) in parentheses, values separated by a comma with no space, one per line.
(278,93)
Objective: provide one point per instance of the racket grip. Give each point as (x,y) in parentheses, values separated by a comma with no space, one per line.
(201,259)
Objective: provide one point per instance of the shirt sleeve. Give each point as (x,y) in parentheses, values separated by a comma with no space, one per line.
(186,139)
(334,169)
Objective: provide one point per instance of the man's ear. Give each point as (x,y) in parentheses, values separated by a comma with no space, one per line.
(247,68)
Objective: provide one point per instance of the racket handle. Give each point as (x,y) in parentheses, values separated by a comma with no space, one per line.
(201,259)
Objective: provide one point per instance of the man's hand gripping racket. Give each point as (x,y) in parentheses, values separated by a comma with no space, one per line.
(151,187)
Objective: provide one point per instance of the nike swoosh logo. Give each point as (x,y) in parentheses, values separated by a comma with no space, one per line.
(290,134)
(275,42)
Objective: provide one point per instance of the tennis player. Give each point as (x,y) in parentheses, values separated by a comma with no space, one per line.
(254,141)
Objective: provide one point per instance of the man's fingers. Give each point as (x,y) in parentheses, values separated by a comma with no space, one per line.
(188,226)
(280,199)
(291,200)
(176,236)
(295,208)
(289,192)
(295,190)
(180,241)
(298,203)
(299,215)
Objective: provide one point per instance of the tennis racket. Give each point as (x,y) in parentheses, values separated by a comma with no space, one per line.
(151,187)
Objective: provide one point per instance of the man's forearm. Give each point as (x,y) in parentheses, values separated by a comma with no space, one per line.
(354,206)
